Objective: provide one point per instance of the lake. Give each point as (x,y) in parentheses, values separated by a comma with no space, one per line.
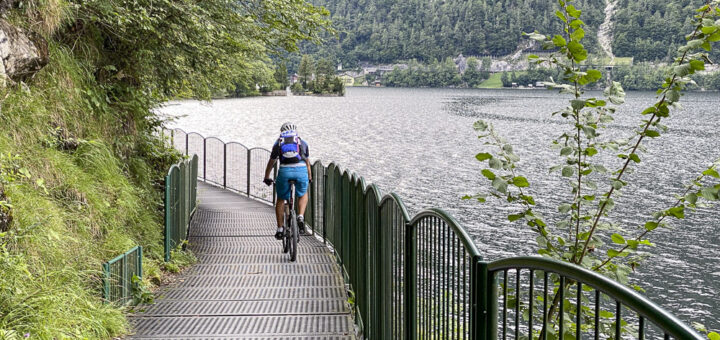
(420,144)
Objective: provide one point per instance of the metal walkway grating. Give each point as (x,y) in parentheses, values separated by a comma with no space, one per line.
(244,287)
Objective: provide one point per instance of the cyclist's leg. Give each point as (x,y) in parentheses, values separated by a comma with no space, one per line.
(279,210)
(301,191)
(302,203)
(283,194)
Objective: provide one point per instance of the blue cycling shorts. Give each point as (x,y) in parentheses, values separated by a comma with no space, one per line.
(285,174)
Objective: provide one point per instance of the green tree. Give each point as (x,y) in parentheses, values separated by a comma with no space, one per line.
(306,71)
(473,76)
(281,76)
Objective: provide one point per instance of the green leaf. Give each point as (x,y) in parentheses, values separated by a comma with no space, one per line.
(673,96)
(633,244)
(513,218)
(697,65)
(564,208)
(559,41)
(521,182)
(652,133)
(695,43)
(480,126)
(714,336)
(613,253)
(575,13)
(617,184)
(488,174)
(650,226)
(594,75)
(715,37)
(577,104)
(617,238)
(577,50)
(578,34)
(691,198)
(568,171)
(678,212)
(591,151)
(500,185)
(709,194)
(635,158)
(649,110)
(495,163)
(566,151)
(577,23)
(483,156)
(711,172)
(589,131)
(709,29)
(561,15)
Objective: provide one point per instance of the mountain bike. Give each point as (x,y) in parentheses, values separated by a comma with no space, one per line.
(292,235)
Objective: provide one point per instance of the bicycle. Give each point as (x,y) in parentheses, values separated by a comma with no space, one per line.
(291,235)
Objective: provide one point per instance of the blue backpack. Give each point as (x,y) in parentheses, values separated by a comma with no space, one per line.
(290,148)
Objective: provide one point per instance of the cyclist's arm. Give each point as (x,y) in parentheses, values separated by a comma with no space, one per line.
(269,167)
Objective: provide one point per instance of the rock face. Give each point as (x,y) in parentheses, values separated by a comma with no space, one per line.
(21,54)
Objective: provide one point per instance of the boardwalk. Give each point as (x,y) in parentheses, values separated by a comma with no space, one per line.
(243,286)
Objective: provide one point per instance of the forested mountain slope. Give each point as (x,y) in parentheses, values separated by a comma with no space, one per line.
(652,30)
(390,30)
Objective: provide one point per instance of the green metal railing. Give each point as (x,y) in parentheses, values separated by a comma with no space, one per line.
(118,274)
(180,202)
(424,278)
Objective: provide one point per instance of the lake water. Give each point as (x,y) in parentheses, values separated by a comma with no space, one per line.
(420,144)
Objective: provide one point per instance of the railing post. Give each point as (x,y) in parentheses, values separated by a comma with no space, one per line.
(187,144)
(483,297)
(478,300)
(106,283)
(224,165)
(204,159)
(410,283)
(124,279)
(248,172)
(139,264)
(325,200)
(168,214)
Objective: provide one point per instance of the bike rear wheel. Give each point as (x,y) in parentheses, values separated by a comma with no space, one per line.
(293,237)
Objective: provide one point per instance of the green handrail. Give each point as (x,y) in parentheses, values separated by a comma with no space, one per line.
(180,202)
(118,274)
(420,277)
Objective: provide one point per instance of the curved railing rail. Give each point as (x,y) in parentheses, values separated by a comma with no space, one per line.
(424,278)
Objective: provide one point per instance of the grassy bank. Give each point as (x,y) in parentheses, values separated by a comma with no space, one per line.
(81,182)
(493,82)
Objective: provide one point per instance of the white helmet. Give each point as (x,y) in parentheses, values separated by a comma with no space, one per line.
(287,126)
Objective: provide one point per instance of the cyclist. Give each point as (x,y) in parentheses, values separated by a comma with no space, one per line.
(293,154)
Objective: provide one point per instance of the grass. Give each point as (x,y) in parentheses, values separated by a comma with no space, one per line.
(493,82)
(82,187)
